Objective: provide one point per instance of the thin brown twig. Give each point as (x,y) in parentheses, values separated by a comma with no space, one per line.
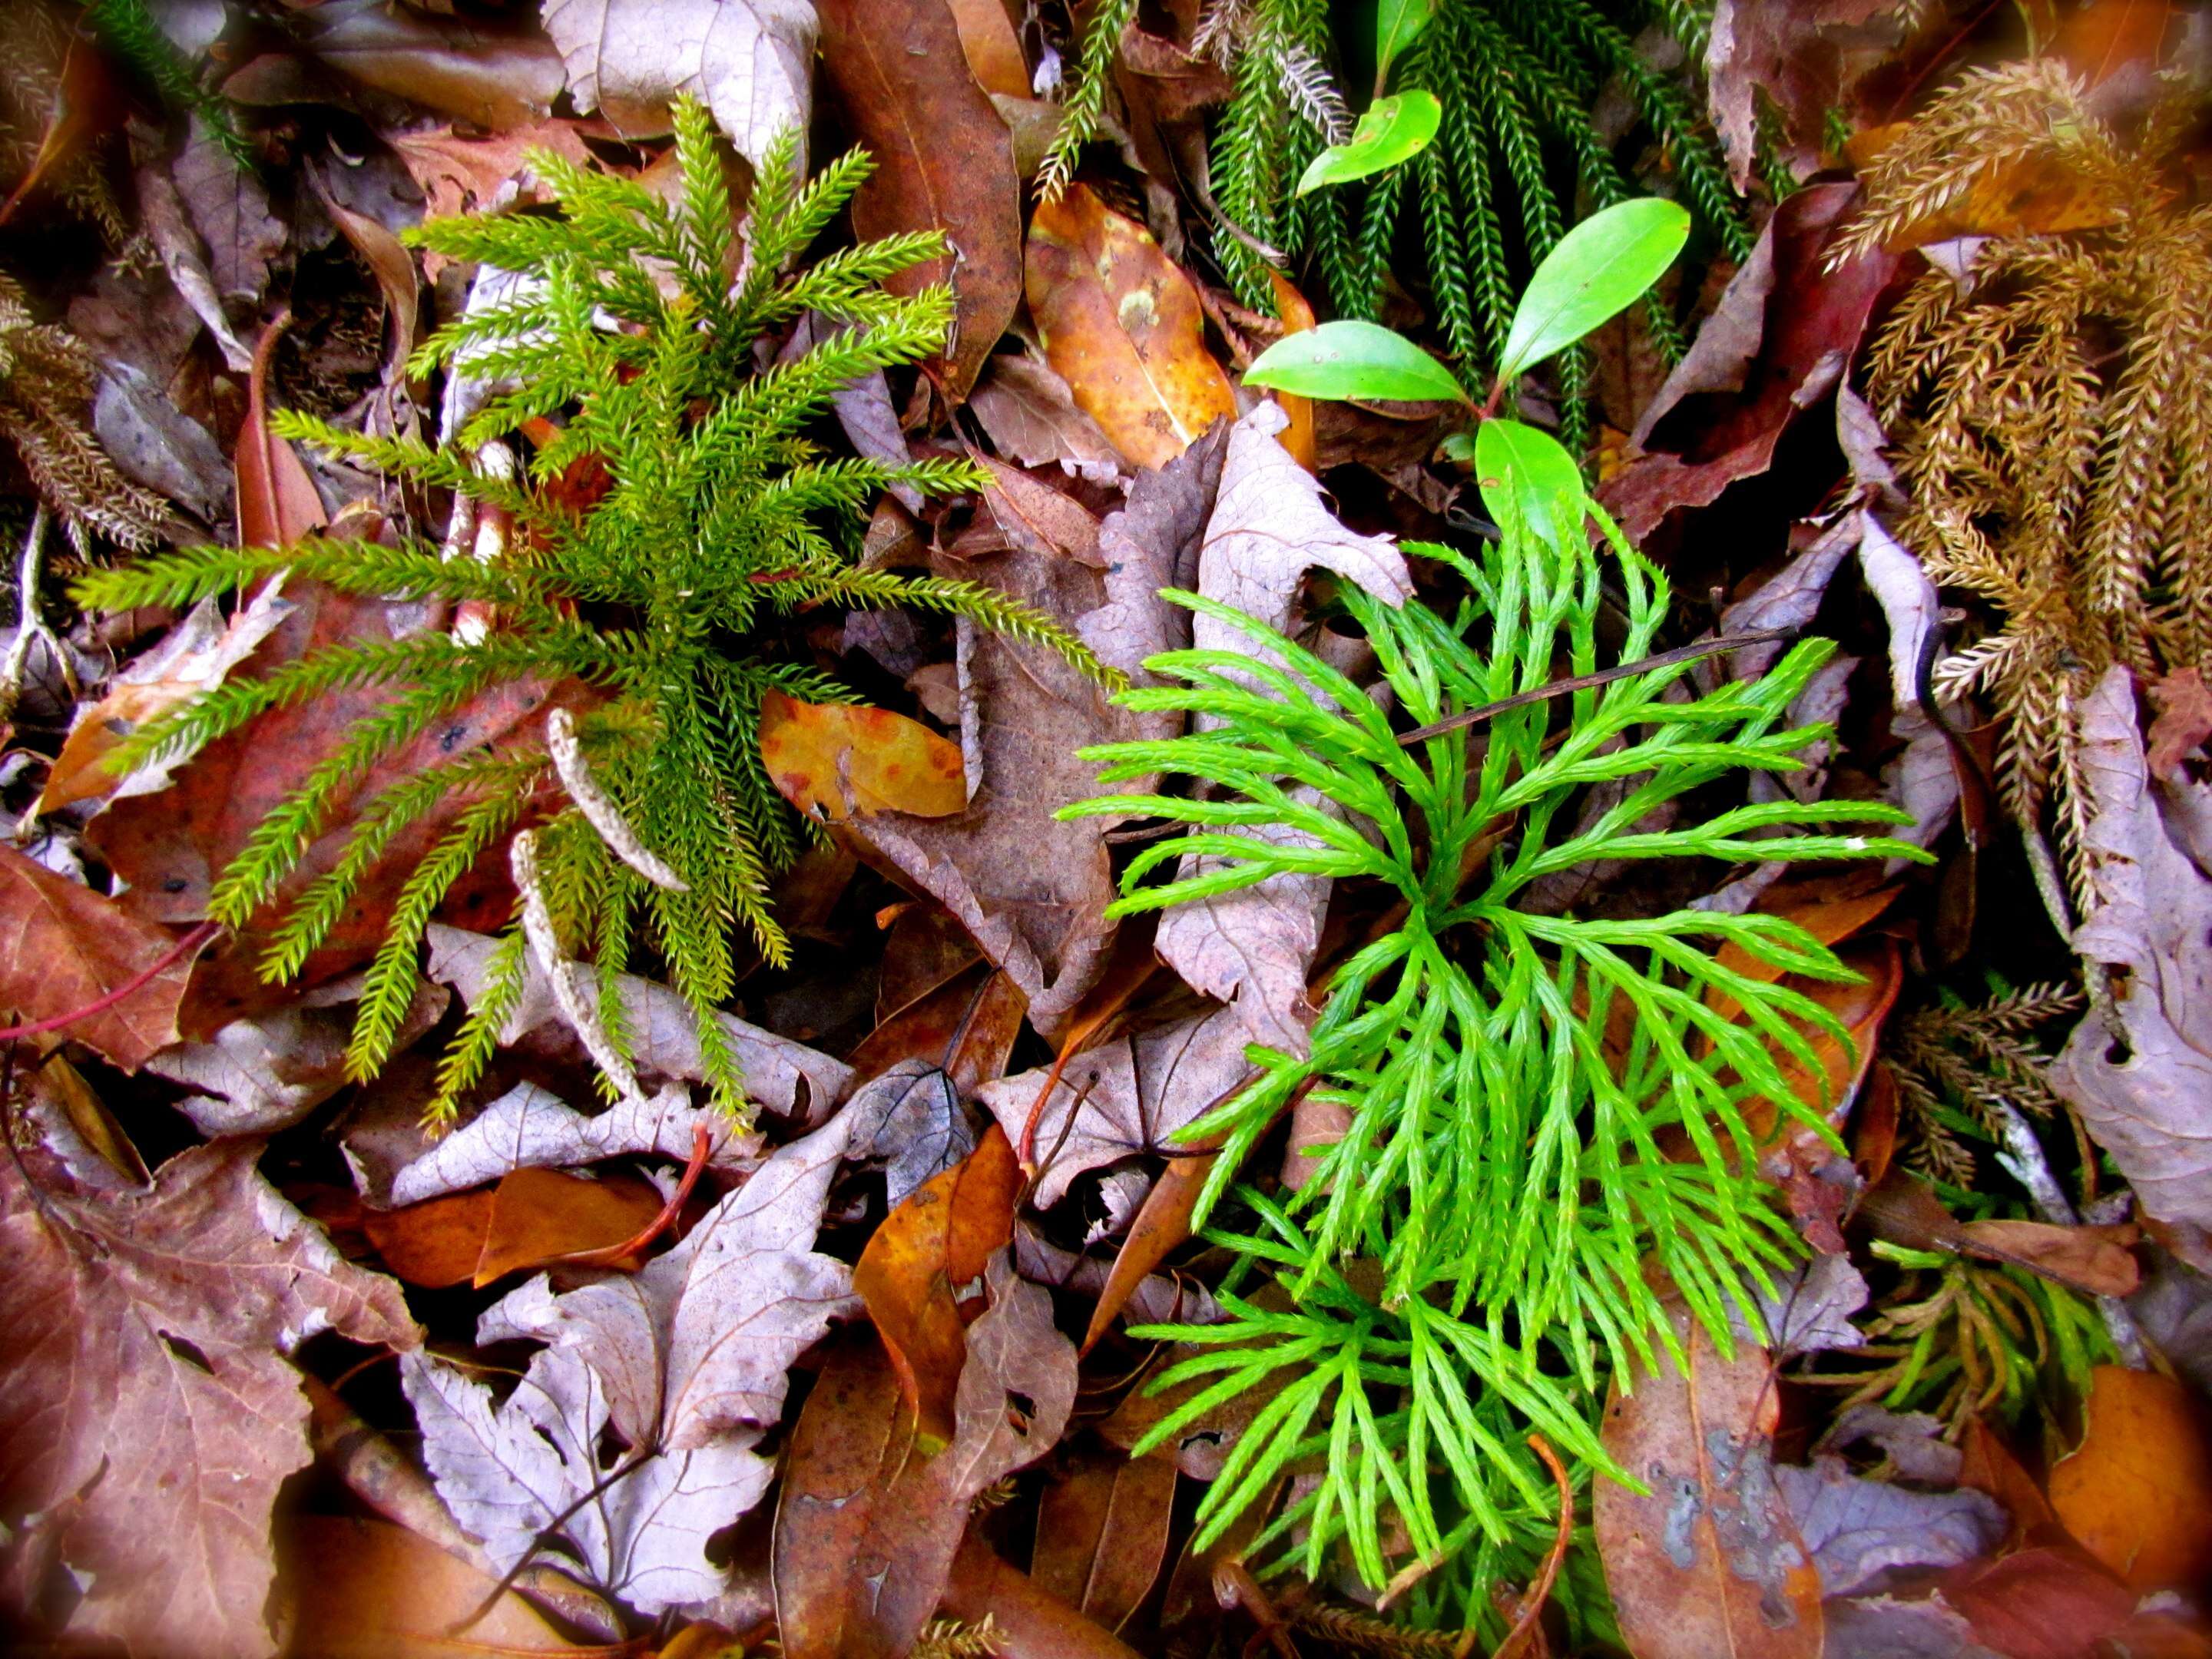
(1532,1608)
(1681,653)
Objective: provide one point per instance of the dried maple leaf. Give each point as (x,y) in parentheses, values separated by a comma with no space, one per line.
(647,1404)
(63,947)
(1125,1097)
(146,1409)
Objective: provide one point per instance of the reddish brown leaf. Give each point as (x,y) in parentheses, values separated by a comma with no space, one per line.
(967,1026)
(2053,1603)
(276,501)
(1989,1466)
(147,1408)
(836,760)
(917,1263)
(2102,39)
(2137,1492)
(993,49)
(2095,1260)
(1783,334)
(1163,1222)
(170,847)
(1799,58)
(1297,317)
(495,74)
(1122,326)
(1102,1531)
(63,947)
(944,162)
(1709,1562)
(366,1589)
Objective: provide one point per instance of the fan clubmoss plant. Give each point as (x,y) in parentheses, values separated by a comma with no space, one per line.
(719,517)
(1551,1116)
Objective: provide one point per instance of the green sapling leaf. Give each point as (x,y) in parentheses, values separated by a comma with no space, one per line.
(1353,359)
(1398,24)
(1596,269)
(1526,474)
(1393,132)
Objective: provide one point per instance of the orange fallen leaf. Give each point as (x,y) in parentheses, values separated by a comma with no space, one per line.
(1122,326)
(2137,1493)
(366,1589)
(1299,436)
(915,1265)
(2101,39)
(837,761)
(1708,1560)
(531,1218)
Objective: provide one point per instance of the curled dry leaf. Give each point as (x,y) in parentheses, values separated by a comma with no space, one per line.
(1029,415)
(148,1414)
(1121,325)
(2137,1492)
(911,1274)
(871,1515)
(2144,1090)
(1781,338)
(747,60)
(469,68)
(682,1366)
(63,947)
(838,761)
(194,657)
(1709,1561)
(787,1077)
(528,1128)
(1803,60)
(944,162)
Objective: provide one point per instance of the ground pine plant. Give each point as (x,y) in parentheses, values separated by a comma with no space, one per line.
(630,351)
(1553,1119)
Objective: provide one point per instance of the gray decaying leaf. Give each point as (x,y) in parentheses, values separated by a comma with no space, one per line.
(1799,57)
(1913,1441)
(1126,1096)
(1883,1627)
(1151,543)
(154,443)
(527,1127)
(787,1077)
(2144,1091)
(671,1375)
(1856,1529)
(1812,1309)
(147,1412)
(230,210)
(748,59)
(911,1116)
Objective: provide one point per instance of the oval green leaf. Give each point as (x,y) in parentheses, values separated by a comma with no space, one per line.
(1394,130)
(1595,269)
(1398,23)
(1353,359)
(1528,476)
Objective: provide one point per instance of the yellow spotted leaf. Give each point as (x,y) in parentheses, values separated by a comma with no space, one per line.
(835,761)
(1122,326)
